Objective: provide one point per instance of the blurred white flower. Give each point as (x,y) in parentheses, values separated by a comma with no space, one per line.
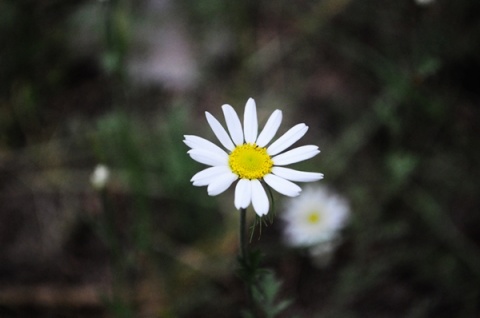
(249,160)
(424,2)
(100,176)
(314,219)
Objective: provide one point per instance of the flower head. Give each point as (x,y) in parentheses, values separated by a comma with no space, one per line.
(315,218)
(249,160)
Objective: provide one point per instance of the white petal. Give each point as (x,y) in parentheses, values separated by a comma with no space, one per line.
(220,132)
(201,143)
(287,139)
(243,194)
(209,157)
(295,175)
(296,155)
(250,122)
(206,176)
(270,128)
(221,183)
(233,124)
(259,198)
(282,186)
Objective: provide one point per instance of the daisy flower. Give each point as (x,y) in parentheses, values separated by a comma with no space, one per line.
(314,219)
(248,160)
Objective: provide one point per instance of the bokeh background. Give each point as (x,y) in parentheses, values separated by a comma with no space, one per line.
(389,88)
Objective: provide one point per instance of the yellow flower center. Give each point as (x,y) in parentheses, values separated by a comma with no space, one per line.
(250,161)
(314,217)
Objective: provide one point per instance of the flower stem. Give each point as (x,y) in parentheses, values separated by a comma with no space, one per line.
(244,251)
(243,229)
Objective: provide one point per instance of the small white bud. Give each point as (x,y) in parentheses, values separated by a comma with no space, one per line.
(100,176)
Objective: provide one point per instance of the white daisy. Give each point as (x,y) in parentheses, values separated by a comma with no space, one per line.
(314,218)
(249,160)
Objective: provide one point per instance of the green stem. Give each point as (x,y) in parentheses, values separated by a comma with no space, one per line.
(243,229)
(244,252)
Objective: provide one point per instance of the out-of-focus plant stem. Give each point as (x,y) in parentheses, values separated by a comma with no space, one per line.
(244,251)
